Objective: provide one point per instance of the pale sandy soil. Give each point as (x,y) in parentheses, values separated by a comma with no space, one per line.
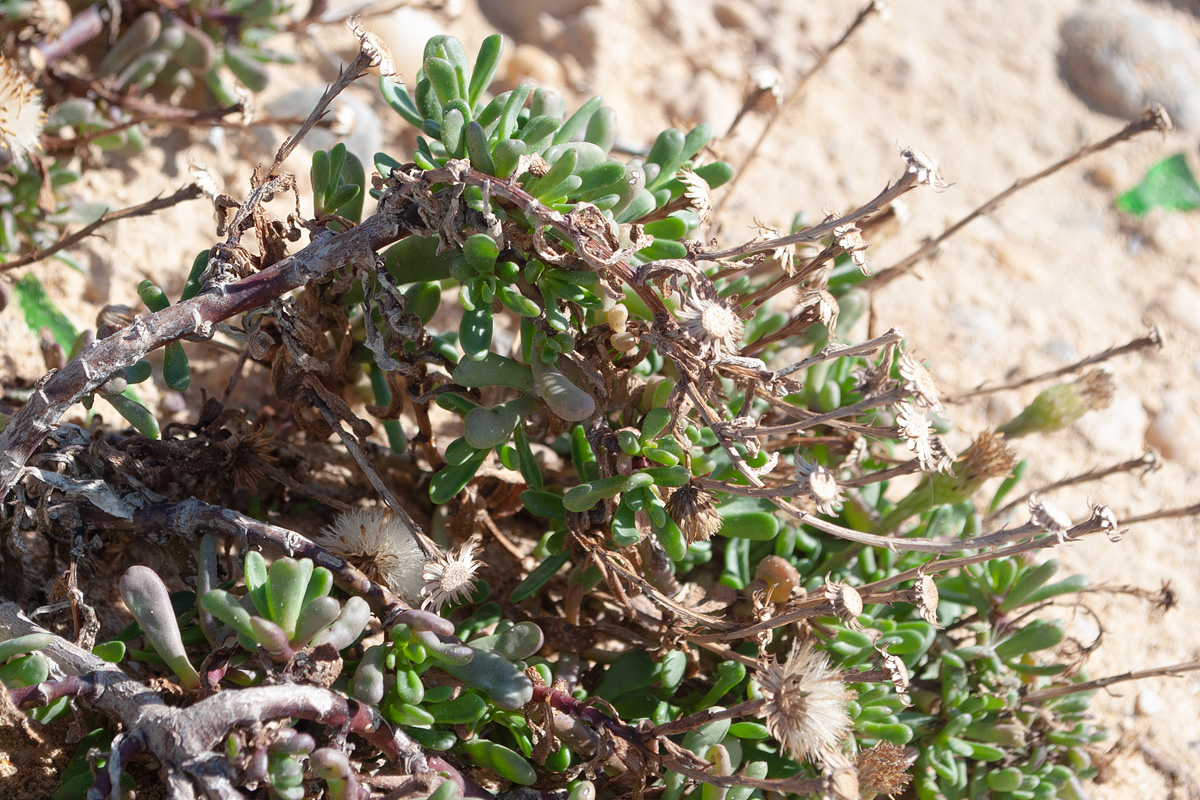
(1053,275)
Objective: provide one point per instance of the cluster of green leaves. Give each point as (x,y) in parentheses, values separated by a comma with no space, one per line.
(480,720)
(201,43)
(22,665)
(978,684)
(551,306)
(23,224)
(975,736)
(286,608)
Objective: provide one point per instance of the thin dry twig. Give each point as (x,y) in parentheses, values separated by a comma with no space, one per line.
(1051,692)
(1146,463)
(100,360)
(1152,340)
(1153,119)
(862,16)
(189,192)
(817,232)
(1166,513)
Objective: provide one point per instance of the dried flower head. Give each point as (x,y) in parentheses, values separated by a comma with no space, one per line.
(849,238)
(710,322)
(845,601)
(819,483)
(767,80)
(693,510)
(381,544)
(48,17)
(697,192)
(918,381)
(374,48)
(841,775)
(883,769)
(897,673)
(924,167)
(1103,519)
(1048,516)
(451,577)
(21,115)
(925,597)
(806,703)
(248,456)
(987,457)
(1097,388)
(915,426)
(820,304)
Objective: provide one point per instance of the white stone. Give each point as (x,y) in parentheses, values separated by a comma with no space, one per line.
(1148,702)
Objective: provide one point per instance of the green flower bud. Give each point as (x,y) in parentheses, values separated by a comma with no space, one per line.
(1061,406)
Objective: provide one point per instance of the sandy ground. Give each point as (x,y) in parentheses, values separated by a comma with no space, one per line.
(1052,276)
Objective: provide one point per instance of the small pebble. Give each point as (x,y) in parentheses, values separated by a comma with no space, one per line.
(1180,305)
(1174,431)
(1111,171)
(529,64)
(1148,703)
(734,14)
(1118,430)
(1119,62)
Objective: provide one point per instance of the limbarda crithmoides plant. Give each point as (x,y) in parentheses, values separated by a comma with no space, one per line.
(678,535)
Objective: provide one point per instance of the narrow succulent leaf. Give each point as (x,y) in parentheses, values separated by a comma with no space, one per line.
(486,62)
(148,600)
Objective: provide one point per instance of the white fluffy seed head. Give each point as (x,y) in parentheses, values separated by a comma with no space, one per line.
(21,115)
(380,544)
(806,703)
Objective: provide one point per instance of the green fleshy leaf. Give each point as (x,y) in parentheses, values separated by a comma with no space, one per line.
(41,312)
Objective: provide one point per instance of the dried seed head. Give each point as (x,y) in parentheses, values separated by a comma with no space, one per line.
(767,80)
(918,381)
(806,703)
(819,483)
(710,322)
(883,769)
(21,115)
(374,48)
(697,192)
(916,427)
(1097,388)
(693,510)
(1048,516)
(1103,519)
(451,577)
(987,457)
(380,544)
(248,453)
(897,673)
(846,602)
(49,17)
(925,597)
(849,238)
(924,167)
(841,775)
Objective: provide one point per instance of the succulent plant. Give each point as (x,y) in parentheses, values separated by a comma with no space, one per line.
(720,593)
